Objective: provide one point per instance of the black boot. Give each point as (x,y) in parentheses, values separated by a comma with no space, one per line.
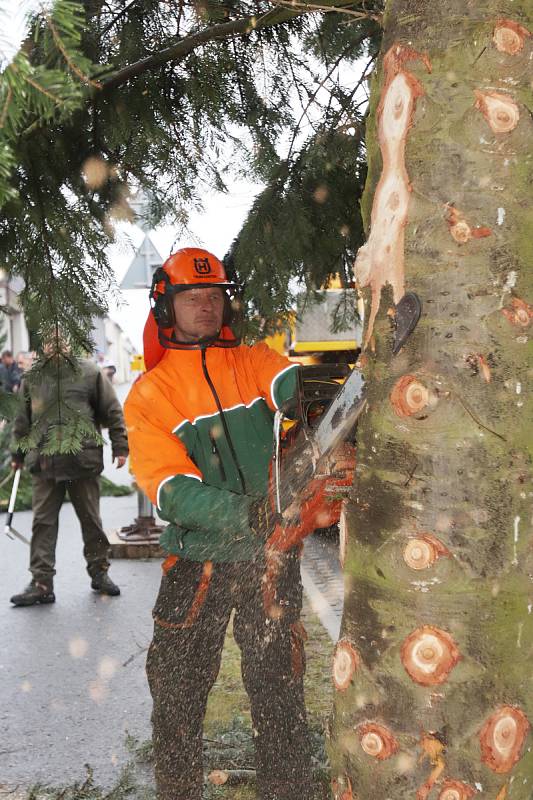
(102,583)
(35,592)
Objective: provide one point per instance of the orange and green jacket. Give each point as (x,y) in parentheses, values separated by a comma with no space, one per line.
(200,467)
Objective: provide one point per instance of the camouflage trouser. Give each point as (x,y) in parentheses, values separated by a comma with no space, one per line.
(191,615)
(47,499)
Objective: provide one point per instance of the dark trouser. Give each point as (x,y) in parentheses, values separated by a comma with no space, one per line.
(48,496)
(191,615)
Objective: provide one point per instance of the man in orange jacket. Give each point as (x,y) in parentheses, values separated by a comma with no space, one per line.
(200,425)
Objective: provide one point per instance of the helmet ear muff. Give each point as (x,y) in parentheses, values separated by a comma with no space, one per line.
(227,316)
(163,307)
(233,308)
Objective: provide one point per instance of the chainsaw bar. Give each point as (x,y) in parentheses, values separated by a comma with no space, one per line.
(343,405)
(339,420)
(295,467)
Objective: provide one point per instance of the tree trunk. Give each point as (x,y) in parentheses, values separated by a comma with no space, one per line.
(434,671)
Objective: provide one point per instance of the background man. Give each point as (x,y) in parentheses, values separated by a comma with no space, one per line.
(200,429)
(109,371)
(10,373)
(25,361)
(89,393)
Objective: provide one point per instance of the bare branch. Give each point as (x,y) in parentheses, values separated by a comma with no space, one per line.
(326,7)
(117,17)
(322,83)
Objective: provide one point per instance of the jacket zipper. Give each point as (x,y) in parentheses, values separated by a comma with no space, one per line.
(215,452)
(223,420)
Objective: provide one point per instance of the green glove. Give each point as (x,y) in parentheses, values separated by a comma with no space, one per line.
(221,546)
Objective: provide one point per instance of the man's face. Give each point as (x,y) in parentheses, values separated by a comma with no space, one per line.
(7,360)
(198,313)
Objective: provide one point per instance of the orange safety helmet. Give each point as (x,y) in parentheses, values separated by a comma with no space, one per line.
(189,268)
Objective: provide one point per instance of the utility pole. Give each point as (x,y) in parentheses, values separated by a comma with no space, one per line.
(141,538)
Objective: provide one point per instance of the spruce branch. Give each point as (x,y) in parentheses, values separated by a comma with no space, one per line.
(346,105)
(64,52)
(166,130)
(223,30)
(183,47)
(44,91)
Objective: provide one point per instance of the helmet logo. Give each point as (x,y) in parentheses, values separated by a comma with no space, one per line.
(202,266)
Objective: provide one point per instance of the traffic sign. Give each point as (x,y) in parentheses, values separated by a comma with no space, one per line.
(145,261)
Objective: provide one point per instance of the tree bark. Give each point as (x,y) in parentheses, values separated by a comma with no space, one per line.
(434,674)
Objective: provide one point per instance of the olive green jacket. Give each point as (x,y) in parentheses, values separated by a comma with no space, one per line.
(89,392)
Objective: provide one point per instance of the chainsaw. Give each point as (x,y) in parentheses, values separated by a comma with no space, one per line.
(330,400)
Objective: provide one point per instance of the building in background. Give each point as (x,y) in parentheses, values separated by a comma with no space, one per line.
(12,323)
(111,343)
(113,347)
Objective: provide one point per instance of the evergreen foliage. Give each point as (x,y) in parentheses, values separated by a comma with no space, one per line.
(303,226)
(60,428)
(79,136)
(104,98)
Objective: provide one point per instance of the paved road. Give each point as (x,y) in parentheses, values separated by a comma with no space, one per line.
(72,674)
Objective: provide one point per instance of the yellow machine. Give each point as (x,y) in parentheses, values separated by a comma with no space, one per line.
(137,363)
(307,337)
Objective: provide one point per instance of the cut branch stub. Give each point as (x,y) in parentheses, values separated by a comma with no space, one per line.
(461,230)
(479,364)
(346,660)
(423,550)
(409,396)
(231,777)
(428,655)
(484,368)
(381,259)
(456,790)
(376,740)
(520,313)
(502,738)
(509,36)
(500,110)
(341,788)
